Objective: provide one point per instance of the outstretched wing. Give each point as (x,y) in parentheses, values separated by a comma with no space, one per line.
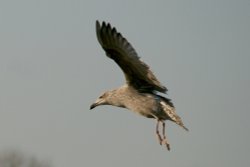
(136,72)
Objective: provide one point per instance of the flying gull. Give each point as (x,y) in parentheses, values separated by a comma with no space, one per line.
(139,94)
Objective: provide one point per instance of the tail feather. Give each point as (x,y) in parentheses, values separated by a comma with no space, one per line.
(170,111)
(179,122)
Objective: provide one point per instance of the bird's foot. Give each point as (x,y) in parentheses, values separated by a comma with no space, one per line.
(165,142)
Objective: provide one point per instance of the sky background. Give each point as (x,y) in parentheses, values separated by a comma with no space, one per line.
(52,68)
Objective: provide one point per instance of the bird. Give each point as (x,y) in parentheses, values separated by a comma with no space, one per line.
(141,92)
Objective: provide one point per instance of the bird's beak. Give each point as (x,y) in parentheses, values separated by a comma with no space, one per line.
(93,106)
(96,103)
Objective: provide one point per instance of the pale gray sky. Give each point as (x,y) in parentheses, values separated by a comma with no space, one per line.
(52,68)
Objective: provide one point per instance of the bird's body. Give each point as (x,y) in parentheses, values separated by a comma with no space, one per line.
(145,104)
(149,105)
(139,94)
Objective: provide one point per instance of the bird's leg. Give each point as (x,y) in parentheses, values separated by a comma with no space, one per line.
(165,141)
(157,132)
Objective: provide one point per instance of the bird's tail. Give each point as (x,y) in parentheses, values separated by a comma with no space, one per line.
(170,111)
(179,122)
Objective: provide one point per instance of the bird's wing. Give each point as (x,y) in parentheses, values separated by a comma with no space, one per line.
(137,73)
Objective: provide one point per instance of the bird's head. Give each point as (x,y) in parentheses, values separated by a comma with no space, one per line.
(102,100)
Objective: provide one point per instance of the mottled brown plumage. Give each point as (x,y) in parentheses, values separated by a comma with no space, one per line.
(139,94)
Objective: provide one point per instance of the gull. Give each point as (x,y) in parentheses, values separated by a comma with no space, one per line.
(140,93)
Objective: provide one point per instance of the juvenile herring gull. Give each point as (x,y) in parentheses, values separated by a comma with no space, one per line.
(139,94)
